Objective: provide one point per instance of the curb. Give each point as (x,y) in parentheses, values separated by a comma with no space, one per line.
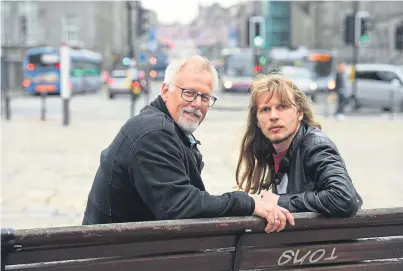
(229,108)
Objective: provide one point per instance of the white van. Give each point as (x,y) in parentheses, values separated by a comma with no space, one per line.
(378,86)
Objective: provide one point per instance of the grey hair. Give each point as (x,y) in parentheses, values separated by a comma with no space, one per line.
(175,66)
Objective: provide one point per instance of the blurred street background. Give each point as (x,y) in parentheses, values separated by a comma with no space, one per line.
(51,139)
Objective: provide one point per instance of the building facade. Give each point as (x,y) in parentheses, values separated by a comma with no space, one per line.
(320,25)
(95,25)
(278,23)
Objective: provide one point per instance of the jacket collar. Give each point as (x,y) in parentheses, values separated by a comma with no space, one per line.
(286,161)
(159,104)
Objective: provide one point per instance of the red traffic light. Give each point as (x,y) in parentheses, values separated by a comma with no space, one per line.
(257,69)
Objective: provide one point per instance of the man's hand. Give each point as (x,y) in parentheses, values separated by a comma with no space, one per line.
(270,197)
(275,215)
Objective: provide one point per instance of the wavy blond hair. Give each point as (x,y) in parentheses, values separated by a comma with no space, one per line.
(253,170)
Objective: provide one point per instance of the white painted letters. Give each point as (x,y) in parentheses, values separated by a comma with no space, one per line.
(285,254)
(302,259)
(313,257)
(332,257)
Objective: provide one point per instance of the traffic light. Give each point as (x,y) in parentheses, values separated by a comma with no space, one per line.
(349,25)
(399,37)
(126,61)
(257,31)
(262,60)
(142,21)
(363,24)
(356,28)
(259,62)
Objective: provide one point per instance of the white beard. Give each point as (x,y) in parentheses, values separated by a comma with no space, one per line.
(189,126)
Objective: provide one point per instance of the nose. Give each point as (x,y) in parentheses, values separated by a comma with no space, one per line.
(274,114)
(197,102)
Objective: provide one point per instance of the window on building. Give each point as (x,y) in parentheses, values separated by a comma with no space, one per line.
(29,23)
(71,27)
(5,21)
(280,38)
(280,8)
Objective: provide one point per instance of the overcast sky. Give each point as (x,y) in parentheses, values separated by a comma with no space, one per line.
(183,11)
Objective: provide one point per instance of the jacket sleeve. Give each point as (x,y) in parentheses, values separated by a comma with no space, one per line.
(335,195)
(159,175)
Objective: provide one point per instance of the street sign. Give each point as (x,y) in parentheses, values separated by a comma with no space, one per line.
(143,58)
(232,36)
(152,40)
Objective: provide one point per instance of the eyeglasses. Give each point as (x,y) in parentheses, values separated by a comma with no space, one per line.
(191,95)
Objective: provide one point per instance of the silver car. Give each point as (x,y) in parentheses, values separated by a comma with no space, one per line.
(118,83)
(378,86)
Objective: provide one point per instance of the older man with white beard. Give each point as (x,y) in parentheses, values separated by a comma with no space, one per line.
(152,169)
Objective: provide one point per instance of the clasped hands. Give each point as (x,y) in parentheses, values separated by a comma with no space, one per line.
(276,216)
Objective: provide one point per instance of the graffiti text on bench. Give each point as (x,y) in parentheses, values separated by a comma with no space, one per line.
(310,256)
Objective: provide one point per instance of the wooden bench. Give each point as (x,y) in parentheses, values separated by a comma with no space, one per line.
(372,240)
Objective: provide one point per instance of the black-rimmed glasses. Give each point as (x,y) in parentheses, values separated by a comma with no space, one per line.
(191,95)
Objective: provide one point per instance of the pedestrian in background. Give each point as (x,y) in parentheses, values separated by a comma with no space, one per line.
(340,88)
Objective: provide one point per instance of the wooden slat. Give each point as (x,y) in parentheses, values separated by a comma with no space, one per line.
(393,265)
(194,262)
(123,250)
(254,258)
(320,235)
(123,265)
(124,232)
(327,253)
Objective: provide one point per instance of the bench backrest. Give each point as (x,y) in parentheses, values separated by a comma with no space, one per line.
(371,240)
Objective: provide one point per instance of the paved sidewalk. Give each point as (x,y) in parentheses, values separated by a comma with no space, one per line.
(47,169)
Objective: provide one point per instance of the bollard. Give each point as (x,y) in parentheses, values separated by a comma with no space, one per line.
(391,104)
(132,104)
(66,112)
(7,105)
(43,105)
(326,105)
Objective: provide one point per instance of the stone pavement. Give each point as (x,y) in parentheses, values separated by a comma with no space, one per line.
(48,169)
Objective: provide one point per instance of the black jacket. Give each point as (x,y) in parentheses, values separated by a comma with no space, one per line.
(317,177)
(151,171)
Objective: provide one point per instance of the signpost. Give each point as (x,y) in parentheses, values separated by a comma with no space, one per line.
(44,95)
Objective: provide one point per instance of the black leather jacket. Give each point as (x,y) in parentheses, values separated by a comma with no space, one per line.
(318,180)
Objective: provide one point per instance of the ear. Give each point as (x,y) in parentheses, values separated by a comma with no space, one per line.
(258,125)
(164,91)
(300,115)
